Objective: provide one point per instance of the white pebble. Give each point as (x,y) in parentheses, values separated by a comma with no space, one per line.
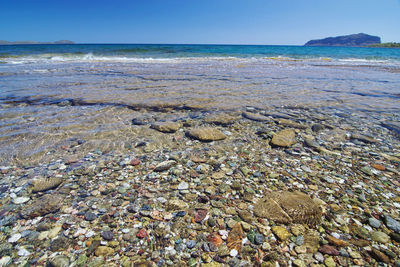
(89,234)
(23,252)
(20,200)
(233,253)
(14,238)
(80,231)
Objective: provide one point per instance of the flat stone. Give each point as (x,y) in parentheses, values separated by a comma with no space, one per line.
(284,138)
(379,256)
(183,185)
(44,184)
(392,224)
(288,207)
(104,251)
(59,261)
(90,216)
(255,116)
(374,222)
(165,165)
(281,232)
(20,200)
(326,249)
(107,235)
(176,204)
(14,238)
(166,127)
(220,119)
(42,206)
(337,242)
(206,134)
(380,237)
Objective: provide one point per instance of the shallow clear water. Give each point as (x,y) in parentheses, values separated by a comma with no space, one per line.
(51,95)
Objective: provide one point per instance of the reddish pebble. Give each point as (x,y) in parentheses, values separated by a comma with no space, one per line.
(326,249)
(142,233)
(135,162)
(215,238)
(200,215)
(378,167)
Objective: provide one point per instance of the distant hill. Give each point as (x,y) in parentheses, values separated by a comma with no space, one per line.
(2,42)
(360,39)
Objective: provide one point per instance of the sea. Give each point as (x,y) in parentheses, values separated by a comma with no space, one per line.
(52,94)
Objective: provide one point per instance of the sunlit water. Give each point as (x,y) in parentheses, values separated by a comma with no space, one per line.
(51,96)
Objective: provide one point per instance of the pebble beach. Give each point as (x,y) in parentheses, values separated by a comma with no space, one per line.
(209,183)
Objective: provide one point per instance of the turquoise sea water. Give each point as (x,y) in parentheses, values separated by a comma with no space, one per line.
(50,94)
(11,53)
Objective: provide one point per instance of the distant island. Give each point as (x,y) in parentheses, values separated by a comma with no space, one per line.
(355,40)
(2,42)
(386,45)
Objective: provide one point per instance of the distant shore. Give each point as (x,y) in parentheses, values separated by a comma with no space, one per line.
(2,42)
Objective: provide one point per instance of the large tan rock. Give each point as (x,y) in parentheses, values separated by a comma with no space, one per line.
(284,138)
(288,207)
(206,134)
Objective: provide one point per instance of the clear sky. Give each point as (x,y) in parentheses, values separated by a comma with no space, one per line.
(197,21)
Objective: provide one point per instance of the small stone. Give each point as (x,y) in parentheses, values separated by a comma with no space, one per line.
(183,186)
(259,239)
(392,224)
(20,200)
(165,165)
(107,235)
(235,237)
(255,116)
(23,252)
(281,232)
(330,262)
(374,222)
(59,261)
(190,244)
(166,127)
(14,238)
(142,233)
(319,257)
(233,253)
(380,237)
(82,260)
(317,127)
(176,204)
(90,216)
(200,215)
(104,251)
(284,138)
(326,249)
(135,162)
(299,263)
(337,242)
(379,256)
(301,249)
(206,134)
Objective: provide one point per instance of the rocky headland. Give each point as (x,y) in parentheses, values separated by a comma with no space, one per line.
(355,40)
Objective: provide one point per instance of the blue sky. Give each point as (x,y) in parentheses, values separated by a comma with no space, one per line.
(197,21)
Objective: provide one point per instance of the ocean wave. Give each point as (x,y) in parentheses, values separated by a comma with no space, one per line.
(50,58)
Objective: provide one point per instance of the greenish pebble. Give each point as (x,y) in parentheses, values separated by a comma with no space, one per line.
(82,260)
(330,262)
(192,262)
